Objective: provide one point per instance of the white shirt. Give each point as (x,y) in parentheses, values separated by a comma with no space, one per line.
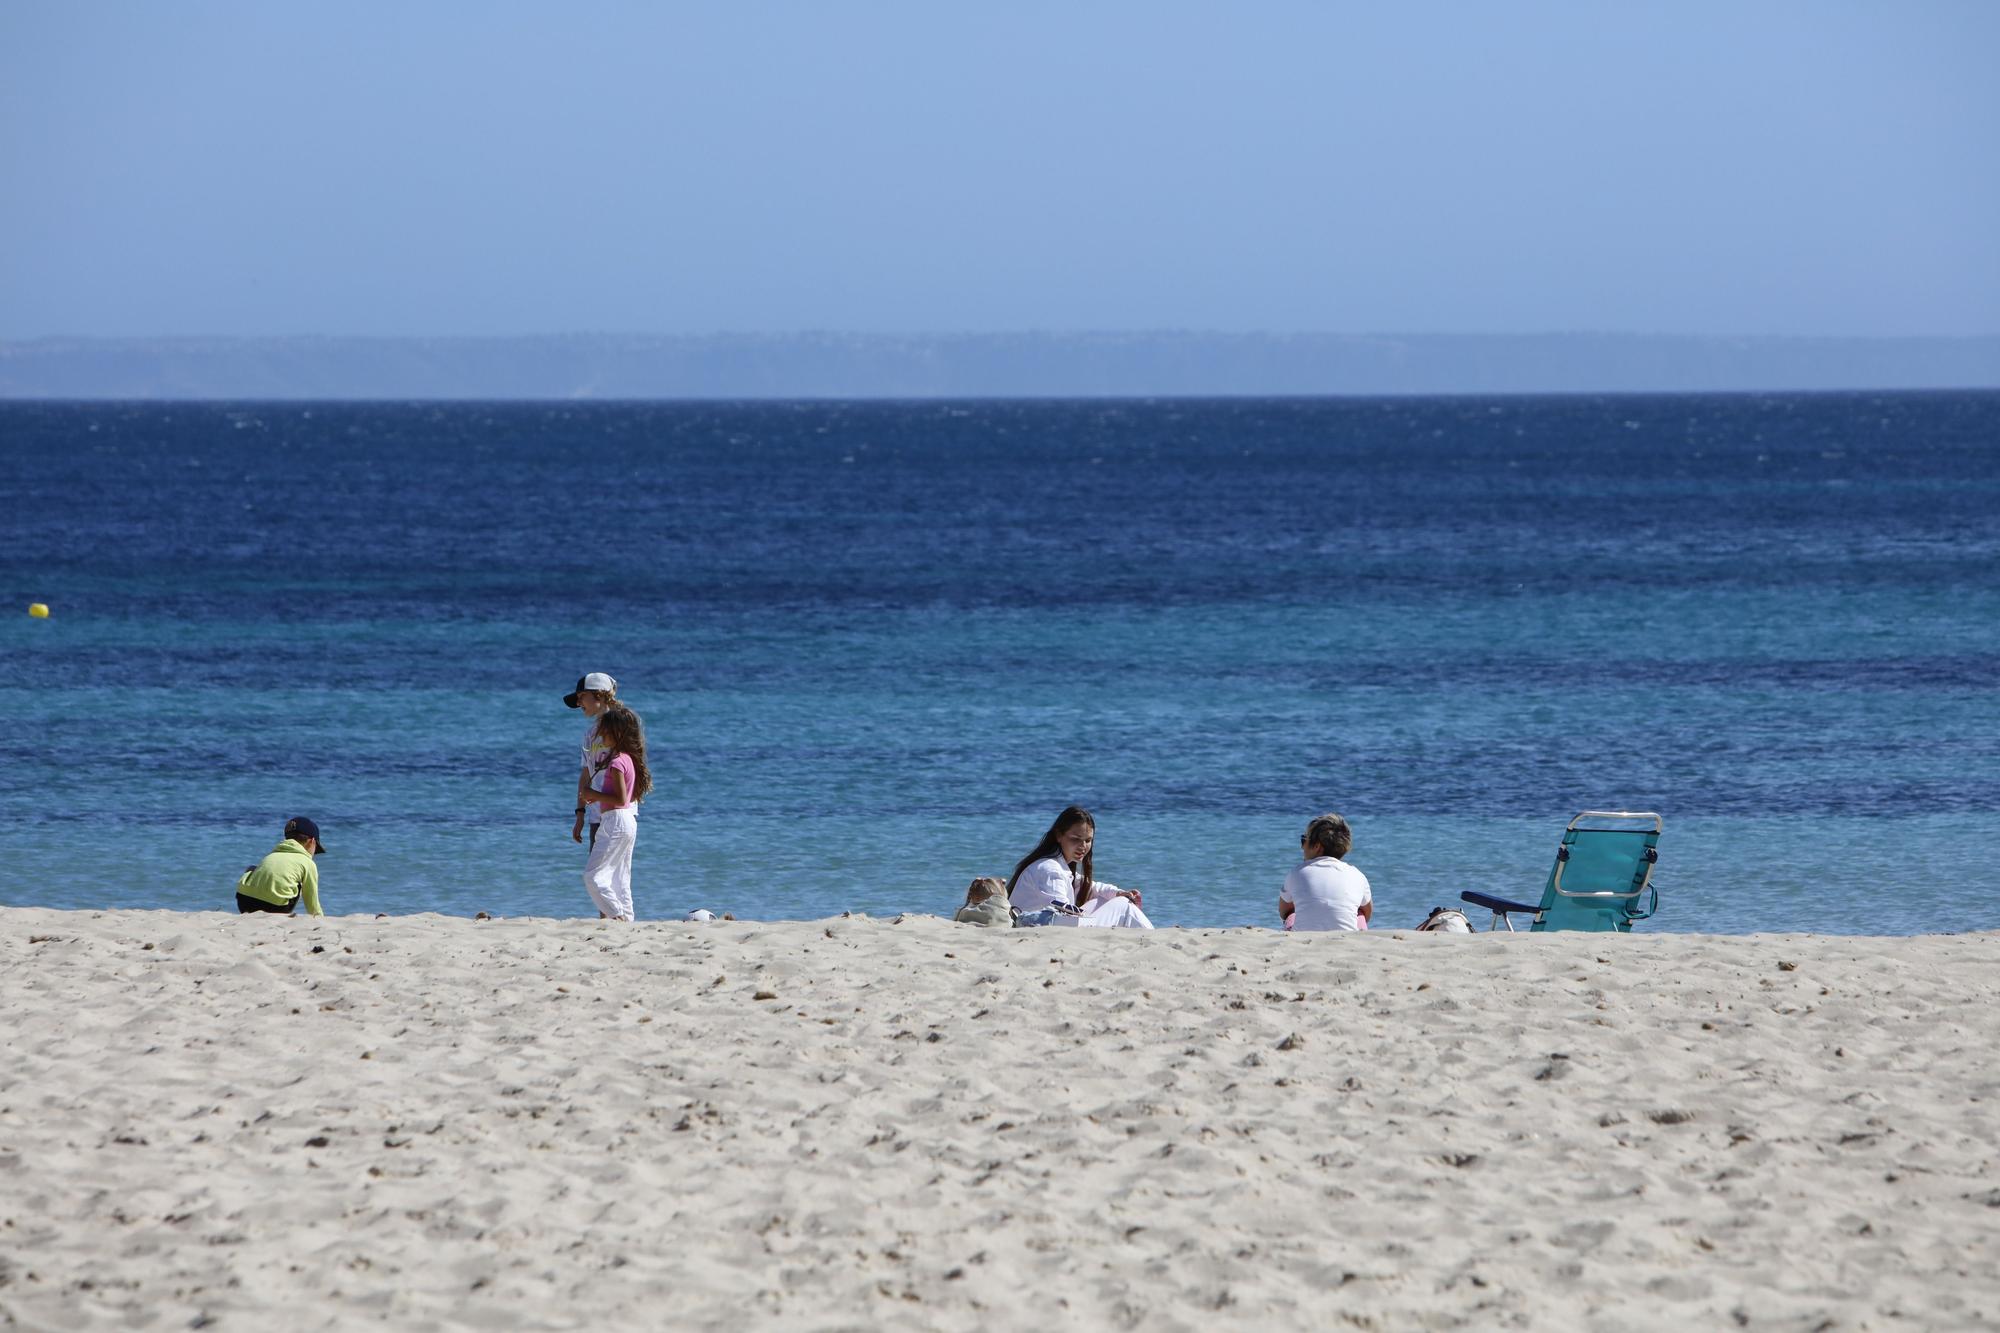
(592,748)
(1327,894)
(1050,880)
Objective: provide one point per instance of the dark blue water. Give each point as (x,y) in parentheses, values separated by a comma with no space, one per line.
(879,645)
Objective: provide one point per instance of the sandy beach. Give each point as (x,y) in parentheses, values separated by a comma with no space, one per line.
(422,1122)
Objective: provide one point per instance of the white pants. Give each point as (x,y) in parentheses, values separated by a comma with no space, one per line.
(607,875)
(1107,911)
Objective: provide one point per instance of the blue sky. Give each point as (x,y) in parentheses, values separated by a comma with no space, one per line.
(452,168)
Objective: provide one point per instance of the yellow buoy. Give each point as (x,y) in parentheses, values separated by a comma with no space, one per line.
(39,610)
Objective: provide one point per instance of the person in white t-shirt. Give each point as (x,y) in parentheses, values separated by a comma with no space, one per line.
(593,694)
(1326,893)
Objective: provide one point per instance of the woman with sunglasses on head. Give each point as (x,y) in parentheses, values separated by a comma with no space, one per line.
(1052,885)
(1326,893)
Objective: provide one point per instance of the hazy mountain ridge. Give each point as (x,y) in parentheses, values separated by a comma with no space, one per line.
(815,365)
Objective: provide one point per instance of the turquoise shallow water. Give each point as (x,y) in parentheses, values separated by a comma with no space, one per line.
(878,646)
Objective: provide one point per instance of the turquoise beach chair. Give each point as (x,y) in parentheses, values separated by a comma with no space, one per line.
(1603,872)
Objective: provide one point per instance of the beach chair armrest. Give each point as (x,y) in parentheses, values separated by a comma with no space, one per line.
(1652,903)
(1487,900)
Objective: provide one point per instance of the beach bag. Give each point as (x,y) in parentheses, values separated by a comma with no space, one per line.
(1447,920)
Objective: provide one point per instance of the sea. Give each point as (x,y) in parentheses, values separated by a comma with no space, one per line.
(879,645)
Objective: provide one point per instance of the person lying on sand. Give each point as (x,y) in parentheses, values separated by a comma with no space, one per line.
(1052,885)
(986,904)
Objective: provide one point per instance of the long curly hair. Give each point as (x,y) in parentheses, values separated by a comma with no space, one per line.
(623,733)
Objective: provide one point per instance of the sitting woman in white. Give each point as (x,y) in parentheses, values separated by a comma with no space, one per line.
(1053,883)
(1326,893)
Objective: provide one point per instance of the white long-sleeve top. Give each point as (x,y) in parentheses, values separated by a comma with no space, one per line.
(1048,881)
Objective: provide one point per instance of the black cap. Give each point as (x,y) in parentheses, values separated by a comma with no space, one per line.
(569,700)
(298,828)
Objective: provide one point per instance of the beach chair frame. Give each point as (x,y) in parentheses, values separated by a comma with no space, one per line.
(1504,908)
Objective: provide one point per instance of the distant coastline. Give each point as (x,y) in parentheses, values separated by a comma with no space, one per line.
(1014,365)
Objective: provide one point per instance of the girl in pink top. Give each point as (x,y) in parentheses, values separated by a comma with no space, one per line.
(620,782)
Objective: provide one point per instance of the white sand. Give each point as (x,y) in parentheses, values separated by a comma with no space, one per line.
(536,1124)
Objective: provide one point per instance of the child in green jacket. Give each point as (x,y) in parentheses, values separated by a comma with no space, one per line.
(288,874)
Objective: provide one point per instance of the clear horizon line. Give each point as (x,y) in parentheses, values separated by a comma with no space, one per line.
(938,334)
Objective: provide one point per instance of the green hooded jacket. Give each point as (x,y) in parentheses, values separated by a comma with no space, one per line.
(287,873)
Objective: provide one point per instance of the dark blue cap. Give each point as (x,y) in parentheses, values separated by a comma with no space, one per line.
(298,828)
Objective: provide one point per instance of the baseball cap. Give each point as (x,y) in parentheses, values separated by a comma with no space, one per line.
(596,680)
(298,828)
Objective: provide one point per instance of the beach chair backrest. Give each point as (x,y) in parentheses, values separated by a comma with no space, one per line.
(1602,878)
